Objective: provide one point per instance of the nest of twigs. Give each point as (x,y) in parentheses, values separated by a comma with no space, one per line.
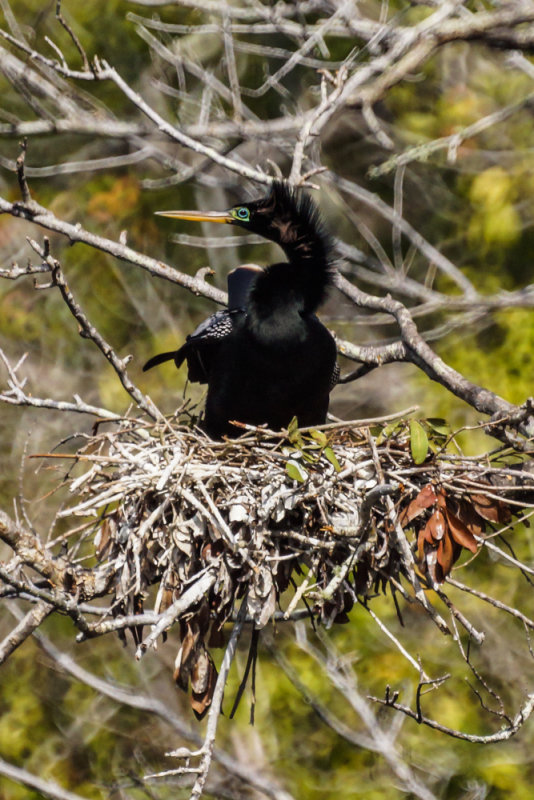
(304,523)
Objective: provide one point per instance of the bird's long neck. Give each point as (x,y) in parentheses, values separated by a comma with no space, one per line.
(276,308)
(285,294)
(281,299)
(308,254)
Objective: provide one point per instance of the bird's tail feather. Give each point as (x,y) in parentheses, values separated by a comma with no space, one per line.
(177,355)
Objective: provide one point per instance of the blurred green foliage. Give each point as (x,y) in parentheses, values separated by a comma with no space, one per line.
(481,216)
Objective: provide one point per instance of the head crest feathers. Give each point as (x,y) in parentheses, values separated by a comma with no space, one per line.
(300,226)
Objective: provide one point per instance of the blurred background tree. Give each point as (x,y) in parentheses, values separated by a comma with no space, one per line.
(414,120)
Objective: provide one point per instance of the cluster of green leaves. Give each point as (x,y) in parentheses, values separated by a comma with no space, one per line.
(426,436)
(306,450)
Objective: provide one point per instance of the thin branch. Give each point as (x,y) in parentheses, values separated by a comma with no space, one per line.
(418,352)
(132,698)
(16,396)
(88,331)
(109,73)
(27,625)
(216,704)
(61,19)
(76,233)
(57,569)
(502,735)
(433,255)
(452,142)
(45,788)
(185,601)
(88,165)
(344,681)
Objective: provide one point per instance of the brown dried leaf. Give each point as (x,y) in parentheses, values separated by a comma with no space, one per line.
(104,537)
(472,520)
(201,701)
(442,500)
(181,672)
(421,546)
(189,642)
(436,527)
(432,566)
(261,600)
(491,510)
(445,556)
(167,593)
(424,499)
(212,550)
(427,496)
(200,671)
(460,533)
(186,654)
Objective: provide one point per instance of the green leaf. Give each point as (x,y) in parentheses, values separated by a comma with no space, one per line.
(288,451)
(292,428)
(418,441)
(388,431)
(439,425)
(331,456)
(293,433)
(296,472)
(319,437)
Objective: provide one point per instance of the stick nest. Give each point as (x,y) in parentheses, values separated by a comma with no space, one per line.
(308,523)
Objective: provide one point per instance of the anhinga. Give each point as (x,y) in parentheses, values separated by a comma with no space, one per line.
(267,358)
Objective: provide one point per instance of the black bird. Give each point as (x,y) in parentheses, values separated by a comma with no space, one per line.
(267,358)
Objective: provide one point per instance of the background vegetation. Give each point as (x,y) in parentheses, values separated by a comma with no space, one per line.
(477,210)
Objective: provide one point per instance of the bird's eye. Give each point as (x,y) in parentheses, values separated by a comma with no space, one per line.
(242,213)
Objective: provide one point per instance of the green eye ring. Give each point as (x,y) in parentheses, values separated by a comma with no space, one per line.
(242,214)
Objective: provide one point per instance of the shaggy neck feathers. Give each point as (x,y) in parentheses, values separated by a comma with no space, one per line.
(292,220)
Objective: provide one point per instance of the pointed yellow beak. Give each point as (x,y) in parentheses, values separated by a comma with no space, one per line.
(199,216)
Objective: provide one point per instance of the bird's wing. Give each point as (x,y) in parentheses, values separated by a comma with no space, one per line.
(215,327)
(200,346)
(203,344)
(334,380)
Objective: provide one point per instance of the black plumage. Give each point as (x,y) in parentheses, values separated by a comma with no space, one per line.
(202,346)
(267,357)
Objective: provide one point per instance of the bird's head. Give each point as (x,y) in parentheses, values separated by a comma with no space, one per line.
(290,219)
(278,216)
(284,216)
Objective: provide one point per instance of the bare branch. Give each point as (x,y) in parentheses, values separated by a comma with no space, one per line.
(25,628)
(88,331)
(15,395)
(45,788)
(454,141)
(343,679)
(76,233)
(500,736)
(188,599)
(61,19)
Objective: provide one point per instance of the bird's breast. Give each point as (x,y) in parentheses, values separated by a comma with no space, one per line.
(284,372)
(284,329)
